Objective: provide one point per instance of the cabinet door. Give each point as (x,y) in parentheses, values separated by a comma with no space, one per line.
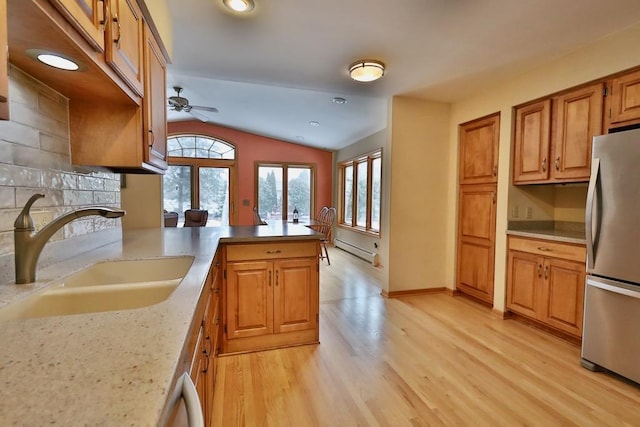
(624,100)
(577,118)
(295,295)
(524,281)
(4,63)
(199,368)
(154,108)
(479,142)
(563,295)
(87,16)
(249,299)
(532,138)
(124,47)
(476,240)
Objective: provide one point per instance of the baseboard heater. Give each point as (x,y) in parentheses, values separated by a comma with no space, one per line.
(354,250)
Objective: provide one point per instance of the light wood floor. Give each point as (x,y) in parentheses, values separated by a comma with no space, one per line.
(432,360)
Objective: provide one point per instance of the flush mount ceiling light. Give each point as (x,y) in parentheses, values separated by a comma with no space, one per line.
(366,70)
(339,100)
(55,60)
(241,6)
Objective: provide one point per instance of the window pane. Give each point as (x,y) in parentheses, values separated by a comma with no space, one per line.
(214,194)
(361,200)
(177,190)
(348,195)
(270,192)
(299,192)
(376,179)
(200,147)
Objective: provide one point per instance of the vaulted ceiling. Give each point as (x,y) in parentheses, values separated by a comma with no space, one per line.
(278,69)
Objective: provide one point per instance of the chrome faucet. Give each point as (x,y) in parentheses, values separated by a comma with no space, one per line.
(29,243)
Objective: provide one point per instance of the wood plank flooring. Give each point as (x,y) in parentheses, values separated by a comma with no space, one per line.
(430,360)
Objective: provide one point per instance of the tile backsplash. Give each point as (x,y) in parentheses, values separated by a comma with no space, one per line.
(35,158)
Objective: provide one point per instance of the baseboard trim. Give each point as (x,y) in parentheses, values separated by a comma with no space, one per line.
(501,314)
(413,292)
(538,325)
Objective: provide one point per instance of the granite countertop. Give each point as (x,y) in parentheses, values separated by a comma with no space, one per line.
(568,232)
(116,367)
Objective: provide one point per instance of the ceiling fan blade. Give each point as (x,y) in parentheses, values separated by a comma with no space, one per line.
(201,108)
(199,116)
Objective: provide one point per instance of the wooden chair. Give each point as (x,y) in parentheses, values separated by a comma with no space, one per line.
(256,217)
(324,224)
(195,217)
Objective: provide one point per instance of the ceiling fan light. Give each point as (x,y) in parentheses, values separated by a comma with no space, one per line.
(366,70)
(241,6)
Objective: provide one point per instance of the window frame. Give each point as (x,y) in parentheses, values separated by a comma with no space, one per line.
(195,163)
(367,158)
(285,183)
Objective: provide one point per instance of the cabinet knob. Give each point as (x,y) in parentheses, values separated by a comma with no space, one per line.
(558,163)
(543,249)
(544,164)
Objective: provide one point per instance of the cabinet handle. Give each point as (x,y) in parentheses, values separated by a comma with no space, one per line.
(493,197)
(558,163)
(277,277)
(274,251)
(269,279)
(544,164)
(152,138)
(117,21)
(104,12)
(539,270)
(546,271)
(543,249)
(495,170)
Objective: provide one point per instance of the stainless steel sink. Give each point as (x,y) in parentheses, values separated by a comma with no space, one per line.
(105,286)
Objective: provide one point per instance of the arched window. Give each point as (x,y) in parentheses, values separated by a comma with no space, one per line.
(200,176)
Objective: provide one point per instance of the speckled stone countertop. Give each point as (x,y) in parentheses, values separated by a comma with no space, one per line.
(568,232)
(117,367)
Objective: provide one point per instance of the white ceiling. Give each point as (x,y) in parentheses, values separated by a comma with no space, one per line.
(275,71)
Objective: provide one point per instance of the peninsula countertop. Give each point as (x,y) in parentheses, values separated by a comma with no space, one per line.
(115,367)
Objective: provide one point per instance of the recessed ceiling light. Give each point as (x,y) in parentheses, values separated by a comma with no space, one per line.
(366,70)
(241,6)
(55,60)
(314,123)
(339,100)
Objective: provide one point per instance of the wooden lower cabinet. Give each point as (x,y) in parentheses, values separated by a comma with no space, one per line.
(476,241)
(271,302)
(545,282)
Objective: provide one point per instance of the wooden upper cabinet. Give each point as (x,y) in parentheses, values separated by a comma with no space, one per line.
(532,141)
(4,62)
(153,103)
(479,140)
(87,16)
(623,101)
(124,46)
(577,118)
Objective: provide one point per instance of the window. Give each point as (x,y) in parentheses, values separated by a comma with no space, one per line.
(285,185)
(199,176)
(360,184)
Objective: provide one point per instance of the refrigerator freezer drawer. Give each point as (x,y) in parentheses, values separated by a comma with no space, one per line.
(611,323)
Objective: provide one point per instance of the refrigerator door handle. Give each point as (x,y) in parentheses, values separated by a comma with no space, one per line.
(595,174)
(612,288)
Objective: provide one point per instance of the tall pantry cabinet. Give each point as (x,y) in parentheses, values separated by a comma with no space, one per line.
(479,140)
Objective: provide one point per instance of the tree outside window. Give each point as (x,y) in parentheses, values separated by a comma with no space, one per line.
(281,185)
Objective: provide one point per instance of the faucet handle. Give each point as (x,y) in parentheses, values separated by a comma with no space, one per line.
(24,220)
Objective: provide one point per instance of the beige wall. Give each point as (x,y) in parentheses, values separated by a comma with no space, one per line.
(159,10)
(142,199)
(609,55)
(418,204)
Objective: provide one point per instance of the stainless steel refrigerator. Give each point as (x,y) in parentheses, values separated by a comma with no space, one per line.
(611,332)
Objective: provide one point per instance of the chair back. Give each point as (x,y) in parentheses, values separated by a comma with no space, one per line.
(171,219)
(195,217)
(329,219)
(321,214)
(256,217)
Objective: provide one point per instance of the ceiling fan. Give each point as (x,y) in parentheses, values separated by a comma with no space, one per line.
(179,103)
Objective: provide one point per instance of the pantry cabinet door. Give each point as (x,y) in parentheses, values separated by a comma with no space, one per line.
(479,141)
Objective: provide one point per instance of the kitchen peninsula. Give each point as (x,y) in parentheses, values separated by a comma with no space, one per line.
(120,367)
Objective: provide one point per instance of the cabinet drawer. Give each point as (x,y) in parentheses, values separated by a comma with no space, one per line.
(273,250)
(548,248)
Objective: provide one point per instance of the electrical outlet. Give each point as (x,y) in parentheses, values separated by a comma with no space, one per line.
(41,218)
(529,212)
(515,212)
